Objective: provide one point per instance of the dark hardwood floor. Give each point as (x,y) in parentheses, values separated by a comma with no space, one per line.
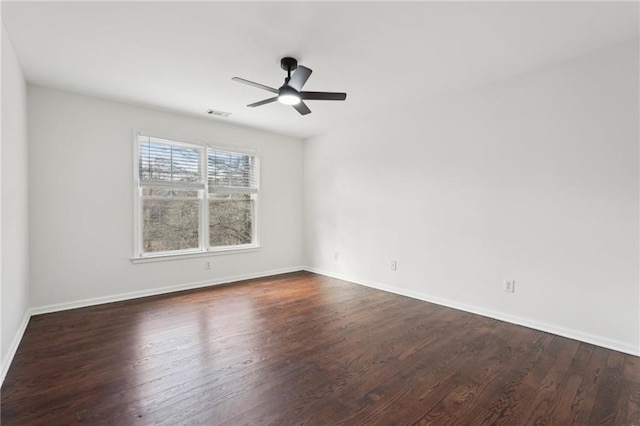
(305,349)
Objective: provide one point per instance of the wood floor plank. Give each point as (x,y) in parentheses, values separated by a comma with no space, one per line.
(504,395)
(370,358)
(609,397)
(302,348)
(201,403)
(542,407)
(631,374)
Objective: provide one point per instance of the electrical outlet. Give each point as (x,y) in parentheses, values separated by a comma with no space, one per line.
(509,286)
(335,255)
(207,264)
(394,265)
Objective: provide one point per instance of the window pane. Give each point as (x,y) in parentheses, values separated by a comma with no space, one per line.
(166,164)
(169,224)
(231,170)
(230,219)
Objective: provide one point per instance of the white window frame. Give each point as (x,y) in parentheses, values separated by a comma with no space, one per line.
(203,248)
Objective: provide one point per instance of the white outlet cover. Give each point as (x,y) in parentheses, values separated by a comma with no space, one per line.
(509,286)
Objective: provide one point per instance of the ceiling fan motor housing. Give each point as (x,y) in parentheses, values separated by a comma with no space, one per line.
(288,64)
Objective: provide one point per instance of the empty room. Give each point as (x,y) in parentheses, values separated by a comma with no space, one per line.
(321,213)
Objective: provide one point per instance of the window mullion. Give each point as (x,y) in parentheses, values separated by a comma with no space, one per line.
(204,210)
(140,224)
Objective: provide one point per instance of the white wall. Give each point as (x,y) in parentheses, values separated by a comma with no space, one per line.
(534,178)
(14,247)
(81,176)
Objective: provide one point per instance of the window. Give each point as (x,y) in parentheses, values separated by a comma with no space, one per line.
(194,198)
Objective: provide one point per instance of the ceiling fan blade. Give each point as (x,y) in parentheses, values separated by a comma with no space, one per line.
(323,96)
(302,108)
(299,77)
(254,84)
(266,101)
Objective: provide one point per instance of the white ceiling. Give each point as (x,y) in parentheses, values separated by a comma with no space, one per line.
(385,55)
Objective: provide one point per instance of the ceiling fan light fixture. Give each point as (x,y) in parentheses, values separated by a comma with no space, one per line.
(288,96)
(289,99)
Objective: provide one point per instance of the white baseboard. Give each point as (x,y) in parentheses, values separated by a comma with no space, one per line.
(157,291)
(549,328)
(17,338)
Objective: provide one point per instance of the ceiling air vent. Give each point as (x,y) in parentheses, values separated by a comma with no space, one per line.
(217,113)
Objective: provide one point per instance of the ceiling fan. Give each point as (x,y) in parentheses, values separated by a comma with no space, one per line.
(290,93)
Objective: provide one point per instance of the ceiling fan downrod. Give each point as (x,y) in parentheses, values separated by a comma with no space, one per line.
(288,64)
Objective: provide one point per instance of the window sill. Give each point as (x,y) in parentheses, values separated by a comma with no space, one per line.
(180,256)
